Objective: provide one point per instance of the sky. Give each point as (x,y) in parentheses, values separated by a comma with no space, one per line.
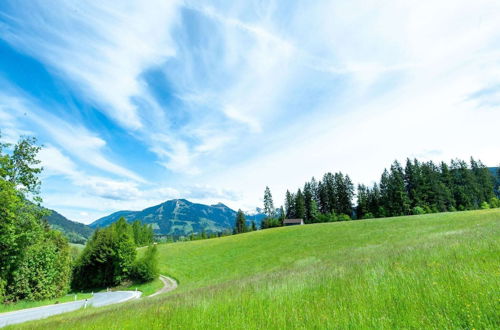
(138,102)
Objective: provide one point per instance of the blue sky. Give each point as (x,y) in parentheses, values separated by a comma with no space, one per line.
(139,102)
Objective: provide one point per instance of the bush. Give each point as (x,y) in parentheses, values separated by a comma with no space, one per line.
(485,206)
(146,268)
(328,217)
(343,217)
(418,210)
(494,202)
(368,215)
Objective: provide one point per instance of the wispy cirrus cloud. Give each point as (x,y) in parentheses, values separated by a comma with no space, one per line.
(78,141)
(101,50)
(244,94)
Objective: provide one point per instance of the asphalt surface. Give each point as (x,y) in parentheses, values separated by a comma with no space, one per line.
(99,299)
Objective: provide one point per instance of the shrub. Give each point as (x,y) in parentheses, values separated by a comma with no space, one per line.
(494,202)
(418,210)
(328,217)
(146,268)
(485,206)
(343,217)
(368,215)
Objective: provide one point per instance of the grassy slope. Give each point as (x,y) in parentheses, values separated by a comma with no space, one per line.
(433,271)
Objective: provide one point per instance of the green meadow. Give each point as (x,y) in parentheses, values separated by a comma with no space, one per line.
(436,271)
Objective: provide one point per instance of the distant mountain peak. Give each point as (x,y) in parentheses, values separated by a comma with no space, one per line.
(178,217)
(219,204)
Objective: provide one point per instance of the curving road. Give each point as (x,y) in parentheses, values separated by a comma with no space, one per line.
(99,299)
(169,284)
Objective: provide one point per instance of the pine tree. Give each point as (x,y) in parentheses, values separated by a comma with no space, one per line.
(290,205)
(484,181)
(497,184)
(269,210)
(329,193)
(254,226)
(344,192)
(240,223)
(282,216)
(314,212)
(308,200)
(300,208)
(362,207)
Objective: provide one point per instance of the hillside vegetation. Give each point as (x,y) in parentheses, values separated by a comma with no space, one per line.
(179,217)
(76,232)
(432,271)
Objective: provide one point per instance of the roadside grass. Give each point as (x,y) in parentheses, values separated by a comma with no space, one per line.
(435,271)
(146,288)
(31,304)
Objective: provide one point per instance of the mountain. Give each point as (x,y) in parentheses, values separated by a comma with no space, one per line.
(180,217)
(76,232)
(493,171)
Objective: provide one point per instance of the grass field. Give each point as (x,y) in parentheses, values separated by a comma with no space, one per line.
(431,271)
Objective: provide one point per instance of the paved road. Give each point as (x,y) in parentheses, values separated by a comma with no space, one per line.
(99,299)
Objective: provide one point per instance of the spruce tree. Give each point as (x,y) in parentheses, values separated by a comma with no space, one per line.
(308,200)
(300,208)
(240,223)
(290,205)
(269,210)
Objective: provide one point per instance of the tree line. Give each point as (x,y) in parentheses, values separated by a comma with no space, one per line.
(418,188)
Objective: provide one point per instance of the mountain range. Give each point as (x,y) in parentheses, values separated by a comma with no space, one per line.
(76,232)
(180,217)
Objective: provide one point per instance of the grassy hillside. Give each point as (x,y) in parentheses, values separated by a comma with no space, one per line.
(432,271)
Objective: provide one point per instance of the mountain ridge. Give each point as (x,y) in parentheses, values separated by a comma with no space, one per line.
(180,217)
(76,232)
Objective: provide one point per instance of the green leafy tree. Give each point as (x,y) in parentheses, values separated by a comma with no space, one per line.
(28,247)
(146,268)
(108,257)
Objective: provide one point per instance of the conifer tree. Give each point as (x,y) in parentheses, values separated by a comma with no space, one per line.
(300,208)
(308,200)
(289,205)
(269,210)
(254,226)
(240,223)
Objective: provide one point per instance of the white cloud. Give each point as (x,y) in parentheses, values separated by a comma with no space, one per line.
(101,49)
(271,93)
(73,138)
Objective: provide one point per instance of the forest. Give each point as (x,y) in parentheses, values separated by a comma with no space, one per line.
(418,188)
